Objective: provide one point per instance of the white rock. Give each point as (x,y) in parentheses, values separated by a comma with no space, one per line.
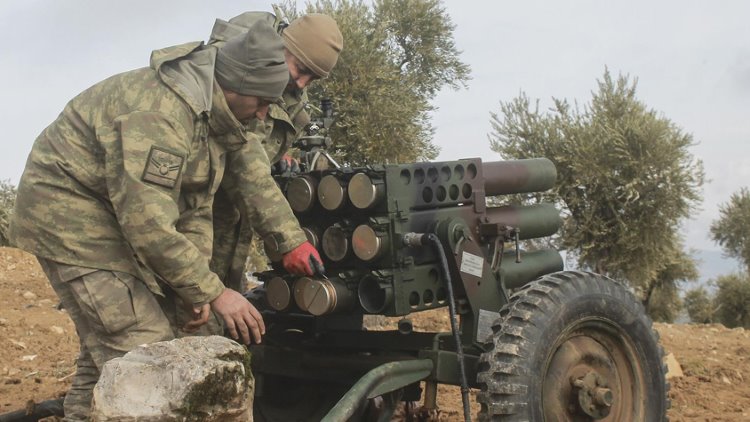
(57,330)
(674,370)
(29,295)
(188,378)
(19,344)
(46,303)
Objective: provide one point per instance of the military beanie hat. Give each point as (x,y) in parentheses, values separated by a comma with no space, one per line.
(316,41)
(252,63)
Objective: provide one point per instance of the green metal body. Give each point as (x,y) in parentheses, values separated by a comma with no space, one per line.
(361,216)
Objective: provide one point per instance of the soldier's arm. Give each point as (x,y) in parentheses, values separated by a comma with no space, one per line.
(143,181)
(225,234)
(249,183)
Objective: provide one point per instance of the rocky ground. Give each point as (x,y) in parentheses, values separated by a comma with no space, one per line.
(38,346)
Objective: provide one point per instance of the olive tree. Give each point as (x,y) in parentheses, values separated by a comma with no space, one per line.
(698,304)
(732,300)
(398,54)
(732,230)
(7,201)
(626,180)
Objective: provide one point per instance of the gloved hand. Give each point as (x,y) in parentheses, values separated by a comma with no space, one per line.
(303,260)
(286,163)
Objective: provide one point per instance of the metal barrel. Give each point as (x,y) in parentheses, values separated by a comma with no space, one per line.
(301,192)
(533,265)
(298,293)
(533,221)
(369,244)
(518,176)
(365,192)
(375,294)
(322,297)
(278,294)
(336,242)
(332,193)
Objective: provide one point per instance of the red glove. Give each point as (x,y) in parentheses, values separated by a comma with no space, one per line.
(303,260)
(286,164)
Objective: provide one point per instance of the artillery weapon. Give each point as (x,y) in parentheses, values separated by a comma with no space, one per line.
(538,342)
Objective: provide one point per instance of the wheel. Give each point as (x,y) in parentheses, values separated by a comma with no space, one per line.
(573,346)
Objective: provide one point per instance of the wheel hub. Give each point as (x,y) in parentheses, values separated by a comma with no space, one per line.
(594,398)
(590,377)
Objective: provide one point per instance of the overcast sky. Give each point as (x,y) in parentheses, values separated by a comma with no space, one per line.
(691,58)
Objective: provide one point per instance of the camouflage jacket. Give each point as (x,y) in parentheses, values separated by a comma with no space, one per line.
(125,178)
(233,230)
(285,118)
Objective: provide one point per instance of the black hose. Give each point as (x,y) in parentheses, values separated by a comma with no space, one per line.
(411,239)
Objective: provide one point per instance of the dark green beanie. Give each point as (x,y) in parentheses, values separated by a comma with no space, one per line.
(252,63)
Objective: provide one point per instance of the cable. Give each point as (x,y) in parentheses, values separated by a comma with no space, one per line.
(425,239)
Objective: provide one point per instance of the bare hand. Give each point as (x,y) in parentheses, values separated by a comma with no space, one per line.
(240,317)
(199,316)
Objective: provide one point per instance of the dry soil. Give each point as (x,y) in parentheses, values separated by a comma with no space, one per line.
(38,346)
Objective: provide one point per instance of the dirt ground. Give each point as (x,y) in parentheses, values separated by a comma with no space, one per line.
(38,346)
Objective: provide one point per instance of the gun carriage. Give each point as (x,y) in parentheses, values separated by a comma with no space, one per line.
(540,343)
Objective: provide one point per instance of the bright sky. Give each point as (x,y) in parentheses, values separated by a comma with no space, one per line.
(691,58)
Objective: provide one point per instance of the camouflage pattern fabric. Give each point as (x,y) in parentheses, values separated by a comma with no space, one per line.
(113,312)
(233,236)
(233,230)
(116,201)
(124,179)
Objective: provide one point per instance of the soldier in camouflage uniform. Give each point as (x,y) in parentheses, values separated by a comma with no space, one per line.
(116,198)
(312,45)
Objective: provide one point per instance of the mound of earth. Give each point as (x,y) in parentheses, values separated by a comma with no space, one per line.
(38,347)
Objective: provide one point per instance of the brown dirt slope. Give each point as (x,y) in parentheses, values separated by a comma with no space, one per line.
(38,347)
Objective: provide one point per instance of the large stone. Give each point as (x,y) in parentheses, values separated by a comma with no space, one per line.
(187,379)
(674,370)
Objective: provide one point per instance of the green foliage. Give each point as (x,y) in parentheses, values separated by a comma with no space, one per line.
(732,301)
(7,200)
(664,303)
(661,296)
(397,55)
(732,232)
(626,180)
(732,229)
(699,305)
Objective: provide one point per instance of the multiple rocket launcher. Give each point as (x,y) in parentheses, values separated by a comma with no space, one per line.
(358,218)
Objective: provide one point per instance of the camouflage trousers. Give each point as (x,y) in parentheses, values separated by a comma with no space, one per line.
(113,312)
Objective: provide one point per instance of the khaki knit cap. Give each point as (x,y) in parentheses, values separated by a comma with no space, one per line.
(316,41)
(253,63)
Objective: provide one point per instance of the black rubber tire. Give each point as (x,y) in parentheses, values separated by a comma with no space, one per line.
(534,335)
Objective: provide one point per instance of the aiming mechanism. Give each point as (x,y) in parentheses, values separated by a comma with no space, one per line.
(372,226)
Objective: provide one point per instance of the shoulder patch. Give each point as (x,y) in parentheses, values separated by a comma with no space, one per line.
(163,167)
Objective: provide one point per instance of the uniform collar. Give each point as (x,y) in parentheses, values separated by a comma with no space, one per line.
(221,120)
